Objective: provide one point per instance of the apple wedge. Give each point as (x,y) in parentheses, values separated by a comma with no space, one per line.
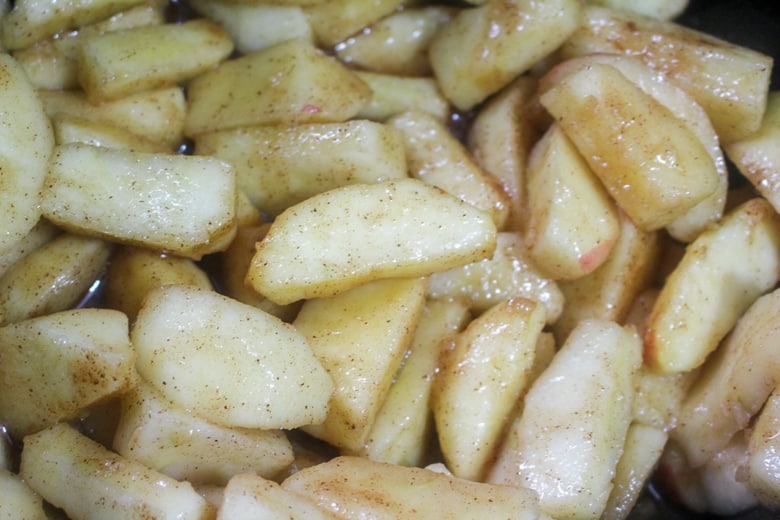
(481,50)
(42,233)
(281,165)
(120,63)
(51,63)
(757,156)
(360,337)
(572,223)
(720,275)
(435,156)
(650,161)
(403,428)
(33,20)
(257,25)
(345,237)
(644,446)
(26,144)
(176,203)
(153,115)
(335,20)
(729,81)
(688,225)
(184,446)
(228,362)
(506,274)
(355,488)
(483,373)
(733,384)
(89,351)
(397,44)
(251,497)
(393,95)
(500,139)
(567,443)
(291,82)
(52,278)
(134,271)
(86,480)
(608,292)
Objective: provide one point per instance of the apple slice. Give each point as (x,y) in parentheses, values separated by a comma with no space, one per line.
(734,383)
(567,442)
(345,237)
(729,81)
(686,227)
(483,373)
(757,156)
(86,480)
(481,50)
(354,487)
(650,161)
(572,221)
(26,144)
(360,337)
(227,361)
(720,275)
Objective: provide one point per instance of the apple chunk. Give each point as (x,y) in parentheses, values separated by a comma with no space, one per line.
(482,374)
(291,82)
(720,275)
(650,161)
(687,226)
(227,361)
(26,143)
(572,222)
(758,155)
(360,488)
(345,237)
(481,50)
(80,476)
(360,337)
(53,367)
(164,437)
(176,203)
(567,442)
(729,81)
(734,383)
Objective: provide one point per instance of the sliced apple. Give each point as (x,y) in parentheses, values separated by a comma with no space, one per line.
(483,49)
(729,81)
(355,487)
(720,275)
(757,156)
(435,156)
(360,337)
(686,227)
(26,144)
(508,273)
(86,480)
(733,384)
(228,362)
(342,238)
(403,427)
(650,161)
(572,221)
(483,373)
(567,443)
